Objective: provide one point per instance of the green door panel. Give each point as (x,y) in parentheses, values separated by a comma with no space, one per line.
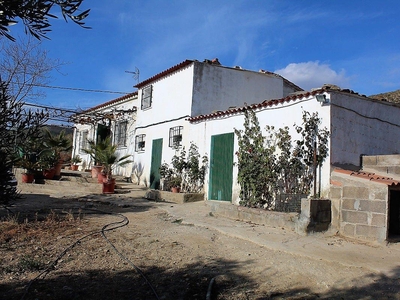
(156,154)
(221,167)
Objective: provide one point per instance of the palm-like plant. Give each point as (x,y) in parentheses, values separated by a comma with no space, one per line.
(104,153)
(57,143)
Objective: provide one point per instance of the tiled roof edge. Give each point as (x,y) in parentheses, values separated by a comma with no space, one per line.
(369,176)
(265,103)
(164,73)
(108,103)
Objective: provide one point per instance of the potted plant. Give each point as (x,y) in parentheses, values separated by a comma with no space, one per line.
(47,163)
(107,157)
(171,179)
(29,163)
(95,150)
(58,144)
(175,184)
(74,162)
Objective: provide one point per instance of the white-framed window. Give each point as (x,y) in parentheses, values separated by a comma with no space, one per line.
(147,95)
(140,142)
(83,137)
(121,133)
(175,136)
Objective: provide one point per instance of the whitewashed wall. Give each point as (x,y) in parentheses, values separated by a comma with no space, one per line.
(362,126)
(171,104)
(218,88)
(286,114)
(171,99)
(198,88)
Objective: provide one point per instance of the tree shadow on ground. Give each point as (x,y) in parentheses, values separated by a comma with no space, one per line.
(193,282)
(38,206)
(377,286)
(189,283)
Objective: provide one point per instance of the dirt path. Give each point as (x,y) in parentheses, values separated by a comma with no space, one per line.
(160,257)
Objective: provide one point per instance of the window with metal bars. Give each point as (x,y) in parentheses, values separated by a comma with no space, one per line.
(147,94)
(120,133)
(175,136)
(140,142)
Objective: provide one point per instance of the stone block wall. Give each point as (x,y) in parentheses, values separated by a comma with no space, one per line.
(359,207)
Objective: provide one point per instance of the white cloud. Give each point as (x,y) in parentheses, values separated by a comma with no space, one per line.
(312,74)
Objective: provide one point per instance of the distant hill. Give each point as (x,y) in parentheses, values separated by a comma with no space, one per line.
(55,130)
(393,97)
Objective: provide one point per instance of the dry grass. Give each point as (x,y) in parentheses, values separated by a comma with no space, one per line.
(33,239)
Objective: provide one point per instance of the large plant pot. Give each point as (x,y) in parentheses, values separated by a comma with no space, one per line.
(101,177)
(57,168)
(74,167)
(27,177)
(49,174)
(109,186)
(96,170)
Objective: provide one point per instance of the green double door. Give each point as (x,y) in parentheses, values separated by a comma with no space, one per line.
(221,167)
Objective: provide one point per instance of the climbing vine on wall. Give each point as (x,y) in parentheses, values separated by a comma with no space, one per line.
(274,163)
(256,164)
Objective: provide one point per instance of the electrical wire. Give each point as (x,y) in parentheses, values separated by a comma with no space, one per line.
(105,228)
(77,89)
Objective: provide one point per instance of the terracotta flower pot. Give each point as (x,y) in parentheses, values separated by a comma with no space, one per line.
(74,167)
(176,189)
(101,177)
(109,186)
(96,170)
(27,177)
(49,174)
(58,168)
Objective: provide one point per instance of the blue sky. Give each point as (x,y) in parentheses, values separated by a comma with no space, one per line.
(354,44)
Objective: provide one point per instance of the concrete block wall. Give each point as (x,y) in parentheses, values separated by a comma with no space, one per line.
(359,207)
(382,164)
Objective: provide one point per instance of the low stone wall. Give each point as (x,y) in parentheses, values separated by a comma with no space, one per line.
(254,215)
(157,195)
(315,215)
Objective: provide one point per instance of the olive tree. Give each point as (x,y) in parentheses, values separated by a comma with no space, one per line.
(36,14)
(18,127)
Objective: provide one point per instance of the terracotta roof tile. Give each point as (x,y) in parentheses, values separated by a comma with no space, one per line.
(370,176)
(164,73)
(127,96)
(264,104)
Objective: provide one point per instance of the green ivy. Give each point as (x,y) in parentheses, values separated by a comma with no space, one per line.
(187,170)
(256,164)
(273,164)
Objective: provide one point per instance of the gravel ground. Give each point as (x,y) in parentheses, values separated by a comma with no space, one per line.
(75,247)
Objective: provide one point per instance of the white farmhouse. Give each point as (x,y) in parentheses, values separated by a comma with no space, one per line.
(115,118)
(192,88)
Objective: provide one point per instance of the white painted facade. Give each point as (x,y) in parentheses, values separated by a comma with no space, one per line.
(206,93)
(358,125)
(279,116)
(115,112)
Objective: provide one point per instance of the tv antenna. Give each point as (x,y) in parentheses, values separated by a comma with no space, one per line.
(135,74)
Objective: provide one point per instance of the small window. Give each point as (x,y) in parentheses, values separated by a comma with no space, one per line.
(84,140)
(147,96)
(120,133)
(175,136)
(140,142)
